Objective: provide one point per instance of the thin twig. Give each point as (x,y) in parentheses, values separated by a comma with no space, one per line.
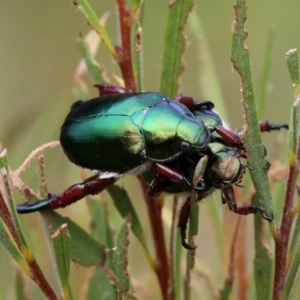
(154,211)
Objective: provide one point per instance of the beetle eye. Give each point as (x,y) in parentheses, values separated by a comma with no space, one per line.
(185,147)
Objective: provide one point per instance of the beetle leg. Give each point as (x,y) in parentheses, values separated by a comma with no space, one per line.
(190,103)
(106,89)
(174,175)
(265,126)
(200,169)
(232,139)
(203,105)
(182,223)
(186,101)
(91,186)
(154,187)
(223,199)
(229,197)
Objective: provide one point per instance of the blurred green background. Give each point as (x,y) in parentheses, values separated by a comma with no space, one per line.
(38,58)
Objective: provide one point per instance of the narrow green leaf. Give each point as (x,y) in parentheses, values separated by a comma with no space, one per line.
(136,4)
(20,289)
(121,259)
(263,264)
(194,216)
(93,20)
(125,208)
(295,235)
(292,61)
(10,217)
(226,289)
(80,241)
(92,65)
(174,46)
(100,229)
(178,276)
(101,288)
(187,280)
(193,230)
(292,275)
(12,248)
(62,249)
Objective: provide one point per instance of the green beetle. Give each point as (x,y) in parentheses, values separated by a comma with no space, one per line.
(118,133)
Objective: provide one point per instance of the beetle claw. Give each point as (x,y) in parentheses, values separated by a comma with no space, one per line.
(183,240)
(262,211)
(187,246)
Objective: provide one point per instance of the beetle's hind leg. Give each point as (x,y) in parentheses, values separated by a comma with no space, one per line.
(91,186)
(229,198)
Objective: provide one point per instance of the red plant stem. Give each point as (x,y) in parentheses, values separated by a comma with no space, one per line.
(162,269)
(39,278)
(36,274)
(282,239)
(6,216)
(124,51)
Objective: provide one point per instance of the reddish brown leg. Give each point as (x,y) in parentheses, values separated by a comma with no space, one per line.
(229,197)
(234,140)
(265,126)
(174,175)
(231,138)
(91,186)
(155,186)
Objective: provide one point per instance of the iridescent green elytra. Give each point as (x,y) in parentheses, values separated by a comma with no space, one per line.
(119,132)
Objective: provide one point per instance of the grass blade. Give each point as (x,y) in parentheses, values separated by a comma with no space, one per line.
(174,47)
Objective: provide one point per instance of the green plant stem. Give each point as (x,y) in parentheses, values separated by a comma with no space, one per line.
(255,150)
